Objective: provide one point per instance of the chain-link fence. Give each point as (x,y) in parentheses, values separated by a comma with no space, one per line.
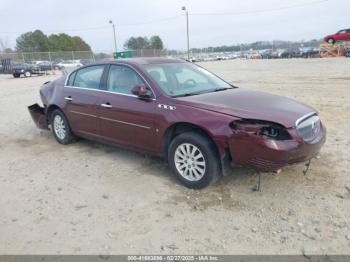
(49,61)
(142,53)
(44,61)
(68,60)
(30,57)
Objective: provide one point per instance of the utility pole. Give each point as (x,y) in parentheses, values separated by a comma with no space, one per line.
(115,38)
(188,35)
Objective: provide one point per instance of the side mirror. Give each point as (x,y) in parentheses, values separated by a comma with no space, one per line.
(141,91)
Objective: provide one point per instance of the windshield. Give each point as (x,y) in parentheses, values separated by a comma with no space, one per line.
(184,79)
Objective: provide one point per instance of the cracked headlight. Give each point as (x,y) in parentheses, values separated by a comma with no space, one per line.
(261,128)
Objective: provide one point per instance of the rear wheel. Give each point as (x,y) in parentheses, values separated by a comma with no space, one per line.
(60,128)
(194,160)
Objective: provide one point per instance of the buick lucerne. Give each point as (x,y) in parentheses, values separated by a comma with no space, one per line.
(200,124)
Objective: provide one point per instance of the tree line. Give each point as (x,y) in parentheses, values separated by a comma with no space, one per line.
(37,41)
(154,42)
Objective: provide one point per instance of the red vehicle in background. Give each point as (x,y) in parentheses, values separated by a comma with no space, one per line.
(342,35)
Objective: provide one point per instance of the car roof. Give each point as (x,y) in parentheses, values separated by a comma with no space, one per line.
(142,61)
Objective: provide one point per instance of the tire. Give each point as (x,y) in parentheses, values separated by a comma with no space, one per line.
(331,41)
(16,75)
(27,74)
(61,128)
(182,154)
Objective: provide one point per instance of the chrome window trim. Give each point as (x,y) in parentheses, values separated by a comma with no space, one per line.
(105,91)
(111,92)
(301,119)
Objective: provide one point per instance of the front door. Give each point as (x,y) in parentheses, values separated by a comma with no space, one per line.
(124,118)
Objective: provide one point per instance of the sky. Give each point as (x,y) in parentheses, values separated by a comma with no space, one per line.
(211,22)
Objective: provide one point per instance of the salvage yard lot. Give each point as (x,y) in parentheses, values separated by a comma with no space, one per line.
(91,198)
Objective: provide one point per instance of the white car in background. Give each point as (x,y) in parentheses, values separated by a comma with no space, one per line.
(69,64)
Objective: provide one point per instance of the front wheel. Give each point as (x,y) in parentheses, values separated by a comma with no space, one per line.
(331,41)
(194,160)
(27,74)
(60,128)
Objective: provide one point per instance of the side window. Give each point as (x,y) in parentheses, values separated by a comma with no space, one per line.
(89,77)
(122,79)
(71,79)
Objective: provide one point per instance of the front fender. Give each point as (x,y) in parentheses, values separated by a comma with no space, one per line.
(214,124)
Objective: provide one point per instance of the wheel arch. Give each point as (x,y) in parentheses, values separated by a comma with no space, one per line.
(332,39)
(50,109)
(180,127)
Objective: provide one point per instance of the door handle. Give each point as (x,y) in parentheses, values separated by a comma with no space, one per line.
(68,98)
(106,105)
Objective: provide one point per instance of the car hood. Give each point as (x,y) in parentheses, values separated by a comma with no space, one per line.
(249,104)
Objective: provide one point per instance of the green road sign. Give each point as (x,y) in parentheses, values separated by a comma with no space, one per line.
(124,54)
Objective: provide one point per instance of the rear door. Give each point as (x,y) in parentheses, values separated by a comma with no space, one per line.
(81,95)
(124,118)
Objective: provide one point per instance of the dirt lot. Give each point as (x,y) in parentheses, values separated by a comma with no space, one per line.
(90,198)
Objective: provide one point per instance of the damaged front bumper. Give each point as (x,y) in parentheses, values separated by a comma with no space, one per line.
(268,155)
(39,117)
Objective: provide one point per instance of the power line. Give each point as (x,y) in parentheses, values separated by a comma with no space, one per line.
(103,27)
(263,10)
(178,16)
(152,21)
(61,30)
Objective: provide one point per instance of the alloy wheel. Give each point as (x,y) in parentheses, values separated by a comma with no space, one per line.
(190,162)
(59,127)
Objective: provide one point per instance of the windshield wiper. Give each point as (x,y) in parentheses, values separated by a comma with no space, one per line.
(204,92)
(186,94)
(221,89)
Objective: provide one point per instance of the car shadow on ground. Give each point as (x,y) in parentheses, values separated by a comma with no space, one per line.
(240,179)
(156,166)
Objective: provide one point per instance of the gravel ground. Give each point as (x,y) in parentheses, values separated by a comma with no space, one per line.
(88,198)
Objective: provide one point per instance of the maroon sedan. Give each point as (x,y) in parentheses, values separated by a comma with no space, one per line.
(199,123)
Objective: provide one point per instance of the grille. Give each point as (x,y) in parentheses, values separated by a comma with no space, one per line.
(309,127)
